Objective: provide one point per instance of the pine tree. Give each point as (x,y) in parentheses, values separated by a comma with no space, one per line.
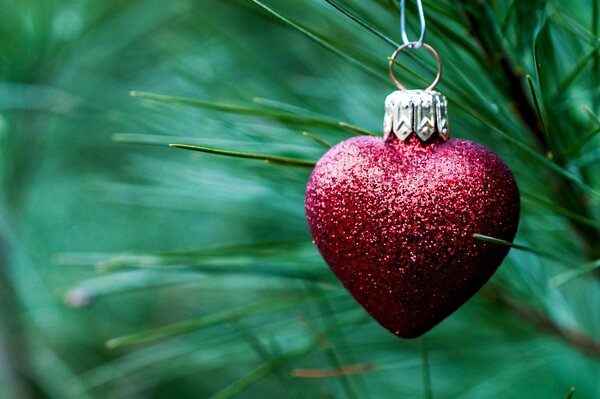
(135,269)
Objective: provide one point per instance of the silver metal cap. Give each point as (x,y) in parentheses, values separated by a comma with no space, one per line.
(416,111)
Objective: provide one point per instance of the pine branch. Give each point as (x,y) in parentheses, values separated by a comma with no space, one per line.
(491,43)
(482,27)
(576,339)
(536,319)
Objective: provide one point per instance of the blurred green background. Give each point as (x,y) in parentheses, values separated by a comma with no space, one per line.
(133,270)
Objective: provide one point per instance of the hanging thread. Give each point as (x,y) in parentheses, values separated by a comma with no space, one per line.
(418,43)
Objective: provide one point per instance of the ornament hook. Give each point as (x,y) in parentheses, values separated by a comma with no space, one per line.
(405,39)
(438,75)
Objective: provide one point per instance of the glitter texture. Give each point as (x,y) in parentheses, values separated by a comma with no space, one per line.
(394,221)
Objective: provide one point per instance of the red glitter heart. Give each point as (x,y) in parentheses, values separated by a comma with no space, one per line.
(394,220)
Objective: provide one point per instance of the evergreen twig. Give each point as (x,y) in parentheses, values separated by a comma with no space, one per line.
(576,339)
(483,28)
(491,44)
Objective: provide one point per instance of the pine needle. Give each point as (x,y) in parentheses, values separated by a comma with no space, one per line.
(538,109)
(560,210)
(196,324)
(317,139)
(261,372)
(567,276)
(575,148)
(363,23)
(427,389)
(322,42)
(499,241)
(354,369)
(358,130)
(236,154)
(577,69)
(238,109)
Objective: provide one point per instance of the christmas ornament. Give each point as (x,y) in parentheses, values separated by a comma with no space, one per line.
(394,217)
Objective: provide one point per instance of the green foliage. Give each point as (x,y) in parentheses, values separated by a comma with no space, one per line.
(131,269)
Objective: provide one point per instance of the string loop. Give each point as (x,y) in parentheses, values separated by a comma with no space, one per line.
(418,43)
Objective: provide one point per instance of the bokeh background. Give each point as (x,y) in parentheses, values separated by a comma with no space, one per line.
(129,269)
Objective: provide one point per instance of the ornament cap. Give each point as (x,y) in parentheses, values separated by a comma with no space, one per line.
(422,112)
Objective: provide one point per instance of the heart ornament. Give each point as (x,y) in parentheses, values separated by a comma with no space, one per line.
(394,217)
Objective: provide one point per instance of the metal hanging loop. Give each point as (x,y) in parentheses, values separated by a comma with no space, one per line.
(426,46)
(405,39)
